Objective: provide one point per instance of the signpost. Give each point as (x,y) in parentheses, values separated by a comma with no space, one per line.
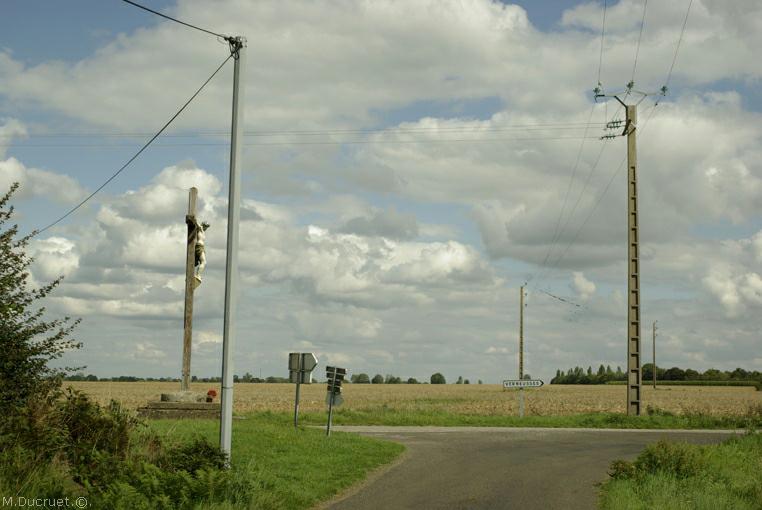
(517,383)
(300,367)
(335,376)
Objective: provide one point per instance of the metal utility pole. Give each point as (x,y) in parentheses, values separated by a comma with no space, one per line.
(238,49)
(521,351)
(633,265)
(190,259)
(654,353)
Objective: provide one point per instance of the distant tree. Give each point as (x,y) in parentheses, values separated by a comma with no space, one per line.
(601,372)
(460,380)
(527,377)
(589,371)
(377,379)
(194,378)
(247,378)
(360,378)
(412,380)
(466,382)
(480,381)
(674,374)
(91,377)
(438,379)
(691,375)
(391,379)
(647,371)
(236,378)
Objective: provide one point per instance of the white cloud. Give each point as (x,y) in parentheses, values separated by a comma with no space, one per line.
(582,286)
(34,182)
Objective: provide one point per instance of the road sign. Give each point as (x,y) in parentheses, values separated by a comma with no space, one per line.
(333,397)
(300,366)
(526,383)
(337,399)
(309,361)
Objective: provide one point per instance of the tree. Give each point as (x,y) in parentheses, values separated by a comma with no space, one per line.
(460,380)
(438,379)
(360,378)
(377,379)
(480,381)
(28,342)
(391,379)
(466,382)
(412,380)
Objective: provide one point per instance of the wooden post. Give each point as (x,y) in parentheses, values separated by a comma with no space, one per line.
(190,284)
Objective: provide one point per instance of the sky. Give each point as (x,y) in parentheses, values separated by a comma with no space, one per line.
(407,167)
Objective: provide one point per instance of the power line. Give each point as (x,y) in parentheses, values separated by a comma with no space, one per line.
(563,300)
(677,49)
(176,20)
(637,46)
(292,143)
(603,30)
(144,147)
(600,197)
(571,126)
(566,197)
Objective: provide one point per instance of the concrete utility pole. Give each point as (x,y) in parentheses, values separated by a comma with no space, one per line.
(521,351)
(654,347)
(633,265)
(190,259)
(238,48)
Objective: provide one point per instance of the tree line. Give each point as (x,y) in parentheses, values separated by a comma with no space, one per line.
(361,378)
(604,374)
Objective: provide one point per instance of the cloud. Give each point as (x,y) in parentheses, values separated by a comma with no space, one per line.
(582,286)
(389,223)
(34,183)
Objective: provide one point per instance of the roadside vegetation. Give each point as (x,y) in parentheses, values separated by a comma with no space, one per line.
(677,476)
(652,419)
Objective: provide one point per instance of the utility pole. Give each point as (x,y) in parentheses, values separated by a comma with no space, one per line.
(633,265)
(238,49)
(190,259)
(521,350)
(654,346)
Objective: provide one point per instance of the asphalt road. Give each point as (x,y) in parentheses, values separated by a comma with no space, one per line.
(500,468)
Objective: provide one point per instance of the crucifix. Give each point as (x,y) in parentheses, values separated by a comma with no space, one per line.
(195,262)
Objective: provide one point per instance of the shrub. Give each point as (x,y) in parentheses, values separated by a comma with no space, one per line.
(680,459)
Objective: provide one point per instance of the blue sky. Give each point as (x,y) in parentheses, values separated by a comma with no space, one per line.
(409,246)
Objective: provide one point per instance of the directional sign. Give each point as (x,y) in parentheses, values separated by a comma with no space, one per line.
(340,372)
(300,366)
(337,399)
(526,383)
(309,361)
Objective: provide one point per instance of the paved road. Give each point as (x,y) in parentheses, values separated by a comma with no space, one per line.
(500,468)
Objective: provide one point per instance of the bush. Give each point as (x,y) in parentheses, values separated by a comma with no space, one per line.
(680,460)
(377,379)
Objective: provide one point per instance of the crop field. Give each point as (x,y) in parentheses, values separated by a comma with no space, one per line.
(472,399)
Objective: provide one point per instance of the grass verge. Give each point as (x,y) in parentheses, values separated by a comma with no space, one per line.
(677,476)
(288,468)
(653,419)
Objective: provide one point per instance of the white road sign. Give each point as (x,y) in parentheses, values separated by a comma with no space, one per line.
(526,383)
(309,361)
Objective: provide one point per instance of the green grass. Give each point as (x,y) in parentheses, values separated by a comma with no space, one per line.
(678,476)
(289,468)
(652,419)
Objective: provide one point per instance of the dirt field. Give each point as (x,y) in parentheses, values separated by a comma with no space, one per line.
(462,399)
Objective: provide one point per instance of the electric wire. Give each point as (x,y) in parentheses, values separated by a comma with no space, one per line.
(637,46)
(603,30)
(677,48)
(571,126)
(225,37)
(600,197)
(138,153)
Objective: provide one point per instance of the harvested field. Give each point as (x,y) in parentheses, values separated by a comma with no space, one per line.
(469,399)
